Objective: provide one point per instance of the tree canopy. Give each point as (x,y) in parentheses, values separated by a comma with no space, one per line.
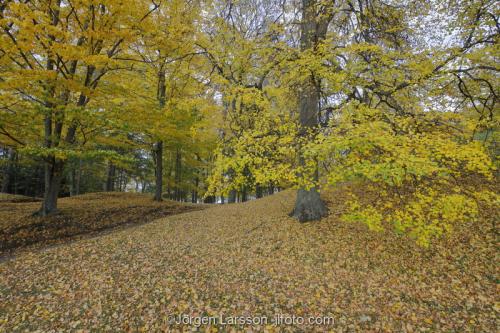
(208,100)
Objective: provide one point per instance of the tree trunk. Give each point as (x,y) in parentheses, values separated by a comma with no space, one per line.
(110,183)
(194,193)
(9,170)
(169,175)
(258,191)
(270,188)
(244,196)
(72,182)
(161,96)
(231,198)
(74,178)
(159,170)
(78,177)
(123,181)
(52,134)
(53,178)
(308,204)
(178,175)
(27,184)
(118,184)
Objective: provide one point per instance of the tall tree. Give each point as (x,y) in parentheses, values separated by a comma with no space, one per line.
(58,58)
(380,104)
(166,41)
(315,20)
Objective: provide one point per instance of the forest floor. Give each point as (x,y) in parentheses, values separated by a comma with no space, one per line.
(252,259)
(79,216)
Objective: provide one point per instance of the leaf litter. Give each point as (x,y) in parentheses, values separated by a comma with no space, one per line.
(251,259)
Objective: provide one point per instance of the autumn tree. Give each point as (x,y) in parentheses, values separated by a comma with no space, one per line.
(165,98)
(166,40)
(57,53)
(379,105)
(243,46)
(316,17)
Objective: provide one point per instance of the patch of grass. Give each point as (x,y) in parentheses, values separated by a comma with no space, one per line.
(77,216)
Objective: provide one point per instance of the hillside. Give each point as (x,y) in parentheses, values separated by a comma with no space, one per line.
(251,259)
(78,216)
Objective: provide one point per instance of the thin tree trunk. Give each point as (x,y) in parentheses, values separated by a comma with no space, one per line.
(231,197)
(244,196)
(121,181)
(194,193)
(27,184)
(270,189)
(9,170)
(308,205)
(72,181)
(258,191)
(160,95)
(169,175)
(78,177)
(178,175)
(159,171)
(110,183)
(74,178)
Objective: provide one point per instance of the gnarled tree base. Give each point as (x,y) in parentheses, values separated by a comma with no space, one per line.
(309,206)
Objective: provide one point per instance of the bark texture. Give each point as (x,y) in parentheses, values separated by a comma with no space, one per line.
(53,178)
(161,96)
(110,181)
(308,205)
(9,170)
(159,171)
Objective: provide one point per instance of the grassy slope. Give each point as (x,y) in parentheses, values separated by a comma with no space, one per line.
(78,216)
(252,259)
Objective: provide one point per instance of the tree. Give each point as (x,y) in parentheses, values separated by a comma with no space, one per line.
(166,43)
(389,118)
(314,26)
(57,54)
(243,46)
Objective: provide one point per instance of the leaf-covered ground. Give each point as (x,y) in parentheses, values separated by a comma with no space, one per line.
(78,216)
(12,198)
(251,259)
